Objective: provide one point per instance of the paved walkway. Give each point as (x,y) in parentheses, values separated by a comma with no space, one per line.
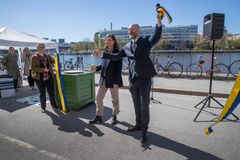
(26,133)
(186,86)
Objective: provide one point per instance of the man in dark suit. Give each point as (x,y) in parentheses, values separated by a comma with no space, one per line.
(141,70)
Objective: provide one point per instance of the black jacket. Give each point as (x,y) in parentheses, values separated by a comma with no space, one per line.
(140,61)
(111,72)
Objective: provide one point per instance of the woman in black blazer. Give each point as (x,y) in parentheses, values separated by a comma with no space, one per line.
(110,78)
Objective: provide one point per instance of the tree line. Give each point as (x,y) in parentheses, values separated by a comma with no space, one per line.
(228,42)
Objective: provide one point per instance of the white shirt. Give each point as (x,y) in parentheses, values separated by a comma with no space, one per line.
(135,40)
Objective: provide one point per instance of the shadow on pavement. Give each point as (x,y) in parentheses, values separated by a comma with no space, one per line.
(10,104)
(7,104)
(71,121)
(166,143)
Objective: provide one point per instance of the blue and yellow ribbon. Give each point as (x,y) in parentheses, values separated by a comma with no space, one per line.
(162,11)
(60,87)
(231,103)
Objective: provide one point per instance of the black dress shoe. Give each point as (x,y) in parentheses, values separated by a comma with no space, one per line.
(97,119)
(143,139)
(135,128)
(114,120)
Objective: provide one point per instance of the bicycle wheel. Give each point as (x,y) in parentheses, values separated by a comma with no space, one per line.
(220,71)
(235,68)
(175,70)
(194,71)
(75,67)
(157,68)
(79,66)
(72,67)
(65,65)
(125,64)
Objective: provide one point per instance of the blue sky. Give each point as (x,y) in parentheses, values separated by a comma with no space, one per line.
(75,20)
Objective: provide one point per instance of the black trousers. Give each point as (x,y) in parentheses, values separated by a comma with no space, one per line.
(30,79)
(42,86)
(15,82)
(140,91)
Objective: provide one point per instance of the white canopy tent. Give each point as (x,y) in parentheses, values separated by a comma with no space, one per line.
(10,37)
(19,40)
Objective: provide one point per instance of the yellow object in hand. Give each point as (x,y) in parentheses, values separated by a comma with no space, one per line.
(162,11)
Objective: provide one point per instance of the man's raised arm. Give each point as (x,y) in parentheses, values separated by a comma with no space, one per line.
(157,33)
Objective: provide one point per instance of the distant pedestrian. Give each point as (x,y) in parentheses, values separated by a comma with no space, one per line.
(27,66)
(43,76)
(10,61)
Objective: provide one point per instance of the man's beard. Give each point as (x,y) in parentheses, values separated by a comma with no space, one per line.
(132,36)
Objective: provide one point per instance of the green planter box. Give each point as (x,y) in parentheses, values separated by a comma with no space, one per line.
(79,87)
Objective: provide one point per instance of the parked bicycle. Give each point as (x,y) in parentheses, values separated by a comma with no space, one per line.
(79,63)
(125,63)
(174,69)
(195,70)
(69,64)
(234,68)
(2,67)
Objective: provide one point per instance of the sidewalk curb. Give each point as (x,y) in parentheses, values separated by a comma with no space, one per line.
(184,76)
(184,92)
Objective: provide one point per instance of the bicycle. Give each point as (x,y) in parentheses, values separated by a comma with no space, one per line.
(195,70)
(2,67)
(79,63)
(174,69)
(125,63)
(234,68)
(69,64)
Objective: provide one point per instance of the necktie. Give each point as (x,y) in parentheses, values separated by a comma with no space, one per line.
(133,47)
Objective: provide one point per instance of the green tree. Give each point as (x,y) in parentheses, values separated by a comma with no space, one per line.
(200,44)
(121,41)
(83,46)
(96,40)
(221,44)
(227,42)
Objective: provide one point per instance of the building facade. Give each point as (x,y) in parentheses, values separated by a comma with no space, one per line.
(173,36)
